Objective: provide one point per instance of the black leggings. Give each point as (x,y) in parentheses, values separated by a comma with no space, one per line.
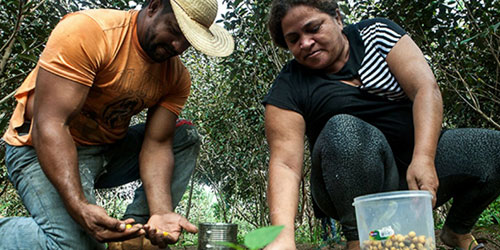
(353,158)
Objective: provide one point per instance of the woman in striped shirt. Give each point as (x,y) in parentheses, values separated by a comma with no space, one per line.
(371,109)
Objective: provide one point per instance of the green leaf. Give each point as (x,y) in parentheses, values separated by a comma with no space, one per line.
(29,58)
(495,27)
(259,238)
(21,41)
(469,39)
(230,244)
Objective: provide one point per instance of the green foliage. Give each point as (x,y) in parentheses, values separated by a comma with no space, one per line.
(198,210)
(491,215)
(10,203)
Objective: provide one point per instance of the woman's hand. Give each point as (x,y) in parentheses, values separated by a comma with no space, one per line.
(281,246)
(282,242)
(421,175)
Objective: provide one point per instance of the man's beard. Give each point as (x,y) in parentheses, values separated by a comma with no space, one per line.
(151,48)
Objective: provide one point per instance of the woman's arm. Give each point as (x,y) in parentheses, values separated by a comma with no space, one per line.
(285,131)
(408,65)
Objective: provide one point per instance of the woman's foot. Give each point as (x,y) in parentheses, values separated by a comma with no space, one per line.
(352,245)
(460,241)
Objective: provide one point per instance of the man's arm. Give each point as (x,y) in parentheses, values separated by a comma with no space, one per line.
(156,166)
(57,101)
(408,65)
(285,134)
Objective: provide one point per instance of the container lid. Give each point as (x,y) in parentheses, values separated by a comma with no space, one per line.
(392,195)
(216,224)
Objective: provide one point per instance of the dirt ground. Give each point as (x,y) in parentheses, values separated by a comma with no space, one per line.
(490,237)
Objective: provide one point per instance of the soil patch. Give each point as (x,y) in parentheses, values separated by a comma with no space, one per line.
(489,236)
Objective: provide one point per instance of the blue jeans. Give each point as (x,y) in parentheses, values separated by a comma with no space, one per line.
(50,226)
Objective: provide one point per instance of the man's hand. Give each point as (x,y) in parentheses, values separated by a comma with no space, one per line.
(163,229)
(104,228)
(421,175)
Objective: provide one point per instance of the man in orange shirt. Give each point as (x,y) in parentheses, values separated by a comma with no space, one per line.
(70,133)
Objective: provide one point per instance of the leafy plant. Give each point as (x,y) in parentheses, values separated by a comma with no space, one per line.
(257,239)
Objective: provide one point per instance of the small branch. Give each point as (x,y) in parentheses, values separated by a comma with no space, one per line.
(3,83)
(8,96)
(476,106)
(10,42)
(37,6)
(245,217)
(190,195)
(16,26)
(6,55)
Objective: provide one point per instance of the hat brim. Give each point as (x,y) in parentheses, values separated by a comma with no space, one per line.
(214,41)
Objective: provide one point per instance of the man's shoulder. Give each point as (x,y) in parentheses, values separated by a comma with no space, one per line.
(109,18)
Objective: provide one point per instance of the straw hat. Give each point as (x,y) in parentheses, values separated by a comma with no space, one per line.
(196,20)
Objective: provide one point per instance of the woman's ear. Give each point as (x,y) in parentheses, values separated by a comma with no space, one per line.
(338,18)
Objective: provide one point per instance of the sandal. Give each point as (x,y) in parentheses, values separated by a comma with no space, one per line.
(478,247)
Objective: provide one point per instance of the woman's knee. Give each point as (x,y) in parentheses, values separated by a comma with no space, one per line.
(351,149)
(348,137)
(339,135)
(474,152)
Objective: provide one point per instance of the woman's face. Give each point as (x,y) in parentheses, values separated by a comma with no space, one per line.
(315,38)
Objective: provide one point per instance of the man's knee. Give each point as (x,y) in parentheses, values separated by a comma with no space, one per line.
(14,232)
(74,240)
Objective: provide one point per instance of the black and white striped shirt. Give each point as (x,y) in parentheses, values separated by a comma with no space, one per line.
(376,78)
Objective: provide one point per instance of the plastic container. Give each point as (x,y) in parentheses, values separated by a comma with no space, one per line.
(211,233)
(395,219)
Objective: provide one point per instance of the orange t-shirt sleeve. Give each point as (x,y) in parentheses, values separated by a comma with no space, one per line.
(179,90)
(75,49)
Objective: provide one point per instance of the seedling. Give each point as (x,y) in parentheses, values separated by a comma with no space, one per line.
(257,239)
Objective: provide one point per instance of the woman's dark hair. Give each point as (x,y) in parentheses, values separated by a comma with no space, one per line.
(279,8)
